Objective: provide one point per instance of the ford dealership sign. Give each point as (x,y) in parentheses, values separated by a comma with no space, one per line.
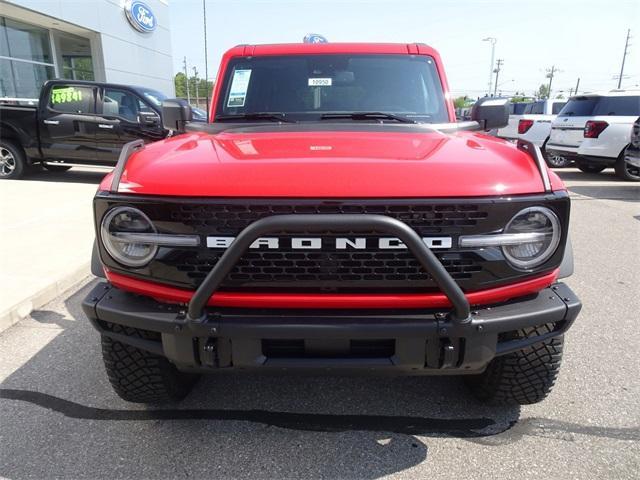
(314,38)
(140,16)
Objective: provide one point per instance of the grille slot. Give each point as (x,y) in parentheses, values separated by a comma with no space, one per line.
(356,348)
(330,268)
(229,219)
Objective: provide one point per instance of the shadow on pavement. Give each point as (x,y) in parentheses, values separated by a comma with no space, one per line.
(74,175)
(61,418)
(603,186)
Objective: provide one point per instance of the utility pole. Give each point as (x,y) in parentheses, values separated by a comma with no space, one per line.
(186,74)
(195,80)
(493,56)
(626,46)
(550,74)
(499,62)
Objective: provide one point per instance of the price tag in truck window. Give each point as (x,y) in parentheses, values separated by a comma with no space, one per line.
(319,82)
(239,87)
(65,95)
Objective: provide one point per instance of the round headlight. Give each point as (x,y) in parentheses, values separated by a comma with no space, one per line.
(543,228)
(120,231)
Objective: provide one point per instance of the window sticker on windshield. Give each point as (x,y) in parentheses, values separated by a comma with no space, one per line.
(319,82)
(239,87)
(65,95)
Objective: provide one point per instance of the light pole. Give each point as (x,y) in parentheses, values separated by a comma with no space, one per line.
(493,41)
(497,70)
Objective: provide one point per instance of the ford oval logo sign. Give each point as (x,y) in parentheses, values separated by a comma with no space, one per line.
(140,16)
(314,38)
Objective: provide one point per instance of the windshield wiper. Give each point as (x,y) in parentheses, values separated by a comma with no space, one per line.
(367,116)
(274,116)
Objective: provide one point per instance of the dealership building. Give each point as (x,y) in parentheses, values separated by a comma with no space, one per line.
(104,40)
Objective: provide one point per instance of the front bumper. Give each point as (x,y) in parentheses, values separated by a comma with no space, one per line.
(402,342)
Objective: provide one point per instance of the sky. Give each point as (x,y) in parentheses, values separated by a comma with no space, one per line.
(583,39)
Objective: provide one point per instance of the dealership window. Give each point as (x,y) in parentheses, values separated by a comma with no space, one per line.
(75,52)
(26,60)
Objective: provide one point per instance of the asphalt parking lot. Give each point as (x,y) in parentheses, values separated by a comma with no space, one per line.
(60,418)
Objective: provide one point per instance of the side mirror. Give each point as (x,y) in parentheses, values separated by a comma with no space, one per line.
(175,114)
(491,112)
(149,119)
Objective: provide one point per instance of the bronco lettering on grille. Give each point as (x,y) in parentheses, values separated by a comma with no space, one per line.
(337,243)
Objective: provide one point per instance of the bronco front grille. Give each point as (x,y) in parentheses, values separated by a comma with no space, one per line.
(369,270)
(327,267)
(227,219)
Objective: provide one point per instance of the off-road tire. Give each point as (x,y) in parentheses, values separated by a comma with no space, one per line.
(18,160)
(523,377)
(622,170)
(586,168)
(140,376)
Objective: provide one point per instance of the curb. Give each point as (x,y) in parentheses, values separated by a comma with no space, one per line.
(24,308)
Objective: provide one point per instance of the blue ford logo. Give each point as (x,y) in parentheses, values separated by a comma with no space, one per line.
(314,38)
(140,16)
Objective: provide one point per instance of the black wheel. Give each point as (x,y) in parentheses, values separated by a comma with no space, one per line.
(556,161)
(586,168)
(626,171)
(12,160)
(140,376)
(56,168)
(523,377)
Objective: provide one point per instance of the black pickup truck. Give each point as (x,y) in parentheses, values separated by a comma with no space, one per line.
(77,123)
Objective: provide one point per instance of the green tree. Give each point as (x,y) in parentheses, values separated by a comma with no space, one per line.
(180,82)
(543,91)
(460,102)
(203,88)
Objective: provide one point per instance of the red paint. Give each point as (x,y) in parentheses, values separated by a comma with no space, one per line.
(331,165)
(327,301)
(318,164)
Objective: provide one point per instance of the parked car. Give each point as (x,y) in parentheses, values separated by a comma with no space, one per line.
(347,228)
(198,114)
(594,130)
(77,123)
(510,131)
(535,127)
(632,152)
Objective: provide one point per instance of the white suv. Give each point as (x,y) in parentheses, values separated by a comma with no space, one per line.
(535,127)
(594,131)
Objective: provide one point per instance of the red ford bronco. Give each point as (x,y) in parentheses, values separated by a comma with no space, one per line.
(332,216)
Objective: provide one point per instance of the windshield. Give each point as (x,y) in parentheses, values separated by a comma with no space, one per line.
(592,106)
(304,87)
(154,97)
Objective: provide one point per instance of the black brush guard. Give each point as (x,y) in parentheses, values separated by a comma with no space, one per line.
(426,342)
(342,223)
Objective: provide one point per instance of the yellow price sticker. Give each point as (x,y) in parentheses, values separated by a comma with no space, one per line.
(65,95)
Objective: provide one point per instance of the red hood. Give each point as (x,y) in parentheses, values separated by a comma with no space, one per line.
(332,165)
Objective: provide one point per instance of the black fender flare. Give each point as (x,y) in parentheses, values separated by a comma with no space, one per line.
(96,264)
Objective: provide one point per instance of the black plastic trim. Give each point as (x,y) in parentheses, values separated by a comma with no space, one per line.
(417,334)
(125,153)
